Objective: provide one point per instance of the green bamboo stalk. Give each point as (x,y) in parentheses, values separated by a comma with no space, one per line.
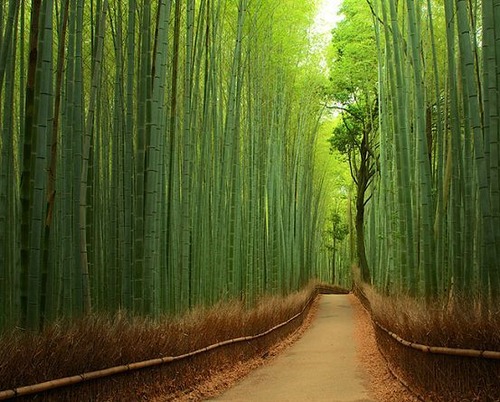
(439,151)
(8,248)
(154,176)
(65,214)
(198,214)
(1,22)
(43,99)
(50,296)
(231,145)
(172,227)
(186,166)
(141,300)
(426,252)
(453,159)
(6,38)
(123,260)
(489,269)
(89,128)
(75,276)
(128,155)
(28,140)
(405,225)
(492,121)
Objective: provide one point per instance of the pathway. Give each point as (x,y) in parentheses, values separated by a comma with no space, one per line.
(321,366)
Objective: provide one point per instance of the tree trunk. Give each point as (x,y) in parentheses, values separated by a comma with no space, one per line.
(363,181)
(360,236)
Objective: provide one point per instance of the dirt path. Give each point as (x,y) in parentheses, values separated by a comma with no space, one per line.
(321,366)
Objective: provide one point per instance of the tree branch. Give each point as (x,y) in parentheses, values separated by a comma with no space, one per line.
(375,14)
(342,109)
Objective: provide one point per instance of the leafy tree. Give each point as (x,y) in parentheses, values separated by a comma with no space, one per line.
(337,232)
(353,76)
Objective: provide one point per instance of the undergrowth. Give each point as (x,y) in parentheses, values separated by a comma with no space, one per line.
(458,324)
(101,341)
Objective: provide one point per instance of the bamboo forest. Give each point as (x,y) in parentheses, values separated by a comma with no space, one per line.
(158,157)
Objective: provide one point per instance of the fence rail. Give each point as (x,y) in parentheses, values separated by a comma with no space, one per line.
(94,375)
(442,350)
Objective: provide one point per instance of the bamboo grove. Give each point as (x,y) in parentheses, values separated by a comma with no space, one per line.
(434,213)
(154,155)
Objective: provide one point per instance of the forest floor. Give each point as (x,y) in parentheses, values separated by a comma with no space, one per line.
(336,359)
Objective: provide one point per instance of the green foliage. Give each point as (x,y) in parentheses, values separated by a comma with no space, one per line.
(347,134)
(156,155)
(353,80)
(337,183)
(334,165)
(353,93)
(352,55)
(436,218)
(339,229)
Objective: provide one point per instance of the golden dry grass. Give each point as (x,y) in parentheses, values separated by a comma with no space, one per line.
(383,385)
(102,341)
(453,325)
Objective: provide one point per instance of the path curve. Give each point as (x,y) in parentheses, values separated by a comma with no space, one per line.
(321,366)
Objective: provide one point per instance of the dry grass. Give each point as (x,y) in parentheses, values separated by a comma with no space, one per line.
(382,383)
(440,377)
(99,342)
(223,379)
(457,325)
